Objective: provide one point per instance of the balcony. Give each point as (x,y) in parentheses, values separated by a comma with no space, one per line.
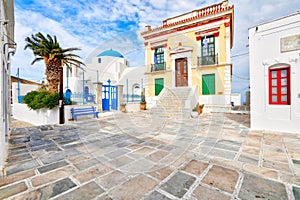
(208,60)
(158,67)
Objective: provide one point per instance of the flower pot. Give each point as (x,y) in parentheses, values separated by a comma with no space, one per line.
(194,114)
(123,108)
(143,106)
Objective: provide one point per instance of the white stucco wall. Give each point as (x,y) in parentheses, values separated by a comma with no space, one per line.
(236,99)
(265,52)
(109,68)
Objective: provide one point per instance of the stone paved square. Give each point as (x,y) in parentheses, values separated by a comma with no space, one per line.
(214,156)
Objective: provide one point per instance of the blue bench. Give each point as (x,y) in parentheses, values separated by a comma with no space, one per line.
(84,111)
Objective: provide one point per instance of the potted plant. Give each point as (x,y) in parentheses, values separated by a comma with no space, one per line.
(123,107)
(143,105)
(201,108)
(143,102)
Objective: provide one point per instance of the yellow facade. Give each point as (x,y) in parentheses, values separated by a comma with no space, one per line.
(184,37)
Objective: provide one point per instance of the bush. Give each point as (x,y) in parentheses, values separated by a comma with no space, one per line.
(41,99)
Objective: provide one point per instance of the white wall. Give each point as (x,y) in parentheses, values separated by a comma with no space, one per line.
(236,99)
(109,68)
(265,51)
(39,117)
(24,89)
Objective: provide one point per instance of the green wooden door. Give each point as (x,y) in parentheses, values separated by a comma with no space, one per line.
(208,84)
(159,85)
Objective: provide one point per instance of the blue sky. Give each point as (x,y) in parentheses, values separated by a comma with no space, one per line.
(97,25)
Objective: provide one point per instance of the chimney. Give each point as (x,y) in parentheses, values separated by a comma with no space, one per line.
(147,27)
(224,3)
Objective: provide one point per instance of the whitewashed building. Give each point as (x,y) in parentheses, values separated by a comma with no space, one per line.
(275,74)
(7,46)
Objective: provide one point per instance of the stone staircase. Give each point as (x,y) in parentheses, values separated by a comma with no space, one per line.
(172,103)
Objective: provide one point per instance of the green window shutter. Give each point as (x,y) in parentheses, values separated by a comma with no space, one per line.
(208,84)
(159,85)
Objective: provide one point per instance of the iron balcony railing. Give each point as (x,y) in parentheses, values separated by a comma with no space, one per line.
(158,67)
(208,60)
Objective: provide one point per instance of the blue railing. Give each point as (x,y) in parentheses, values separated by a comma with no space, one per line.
(81,98)
(132,98)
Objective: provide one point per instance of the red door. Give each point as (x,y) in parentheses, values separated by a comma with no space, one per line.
(181,68)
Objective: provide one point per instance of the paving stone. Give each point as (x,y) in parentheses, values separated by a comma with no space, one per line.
(119,161)
(178,184)
(160,173)
(123,144)
(12,190)
(195,167)
(22,166)
(296,192)
(135,188)
(52,166)
(260,171)
(222,178)
(19,140)
(138,166)
(251,150)
(52,157)
(92,173)
(117,153)
(222,153)
(33,195)
(56,188)
(157,156)
(141,152)
(87,163)
(16,177)
(156,196)
(204,193)
(52,176)
(112,179)
(57,156)
(277,165)
(134,146)
(247,158)
(224,145)
(105,197)
(227,163)
(254,187)
(87,191)
(20,157)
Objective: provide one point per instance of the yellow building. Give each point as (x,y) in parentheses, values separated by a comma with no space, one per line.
(192,50)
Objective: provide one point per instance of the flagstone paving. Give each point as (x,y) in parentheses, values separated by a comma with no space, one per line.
(140,156)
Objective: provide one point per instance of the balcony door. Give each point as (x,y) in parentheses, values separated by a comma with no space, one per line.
(181,68)
(208,51)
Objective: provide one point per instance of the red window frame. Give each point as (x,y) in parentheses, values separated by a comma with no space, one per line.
(279,86)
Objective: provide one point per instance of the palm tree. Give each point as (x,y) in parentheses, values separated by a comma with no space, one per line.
(48,49)
(55,57)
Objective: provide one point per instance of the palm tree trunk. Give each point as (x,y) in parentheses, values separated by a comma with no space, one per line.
(53,67)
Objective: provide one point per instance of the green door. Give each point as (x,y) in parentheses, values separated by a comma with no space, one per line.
(208,84)
(159,85)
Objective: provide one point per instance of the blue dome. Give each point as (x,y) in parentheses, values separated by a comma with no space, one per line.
(111,53)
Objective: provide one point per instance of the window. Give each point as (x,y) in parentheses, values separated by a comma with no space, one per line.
(208,84)
(99,60)
(159,55)
(279,86)
(208,50)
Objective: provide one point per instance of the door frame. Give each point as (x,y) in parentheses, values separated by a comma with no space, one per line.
(181,66)
(187,54)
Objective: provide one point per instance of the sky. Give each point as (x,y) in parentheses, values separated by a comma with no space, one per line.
(98,25)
